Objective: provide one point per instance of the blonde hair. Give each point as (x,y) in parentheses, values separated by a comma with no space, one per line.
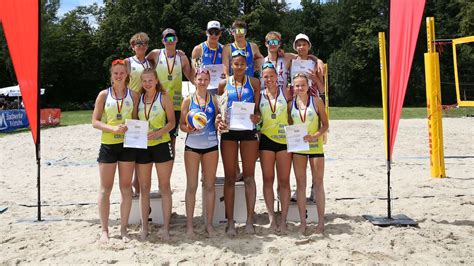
(273,34)
(141,36)
(158,84)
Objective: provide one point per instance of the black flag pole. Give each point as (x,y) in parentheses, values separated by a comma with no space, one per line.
(389,220)
(38,116)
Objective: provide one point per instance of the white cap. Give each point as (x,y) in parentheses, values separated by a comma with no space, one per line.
(301,36)
(213,24)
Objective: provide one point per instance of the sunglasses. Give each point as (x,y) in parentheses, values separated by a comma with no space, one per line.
(202,71)
(273,42)
(239,31)
(268,65)
(170,39)
(214,32)
(118,62)
(300,75)
(239,52)
(141,43)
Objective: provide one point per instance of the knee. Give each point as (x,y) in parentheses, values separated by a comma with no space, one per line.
(229,181)
(191,188)
(208,187)
(165,189)
(249,181)
(284,185)
(105,191)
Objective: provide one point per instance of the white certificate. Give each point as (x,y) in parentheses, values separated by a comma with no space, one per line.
(240,116)
(301,66)
(217,74)
(294,138)
(137,134)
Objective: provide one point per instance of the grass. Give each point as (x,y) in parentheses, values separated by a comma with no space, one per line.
(336,113)
(364,113)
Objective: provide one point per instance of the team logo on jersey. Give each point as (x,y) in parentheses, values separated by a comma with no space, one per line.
(127,103)
(134,68)
(155,108)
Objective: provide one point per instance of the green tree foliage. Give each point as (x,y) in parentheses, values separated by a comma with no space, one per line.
(77,48)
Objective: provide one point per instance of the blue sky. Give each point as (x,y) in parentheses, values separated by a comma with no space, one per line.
(67,5)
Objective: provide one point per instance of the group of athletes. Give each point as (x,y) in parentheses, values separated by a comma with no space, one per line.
(148,87)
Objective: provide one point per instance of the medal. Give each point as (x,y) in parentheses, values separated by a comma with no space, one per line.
(170,71)
(272,107)
(147,116)
(119,106)
(303,117)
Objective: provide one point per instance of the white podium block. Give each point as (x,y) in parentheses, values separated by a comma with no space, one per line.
(156,215)
(240,207)
(311,212)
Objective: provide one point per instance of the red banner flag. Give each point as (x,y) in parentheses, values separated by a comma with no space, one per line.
(20,24)
(405,20)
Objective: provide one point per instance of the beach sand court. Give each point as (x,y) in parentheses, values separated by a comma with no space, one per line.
(355,184)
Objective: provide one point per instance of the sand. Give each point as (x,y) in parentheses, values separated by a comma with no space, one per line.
(355,183)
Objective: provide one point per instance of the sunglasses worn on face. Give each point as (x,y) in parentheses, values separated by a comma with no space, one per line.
(239,31)
(170,39)
(140,43)
(118,62)
(214,32)
(239,52)
(273,42)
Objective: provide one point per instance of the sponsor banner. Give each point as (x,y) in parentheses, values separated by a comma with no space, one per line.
(13,119)
(50,117)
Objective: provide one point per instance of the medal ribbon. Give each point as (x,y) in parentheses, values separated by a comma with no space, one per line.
(151,105)
(303,118)
(119,106)
(215,52)
(239,93)
(272,107)
(204,105)
(168,65)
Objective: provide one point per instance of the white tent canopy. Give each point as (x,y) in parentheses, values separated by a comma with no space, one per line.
(14,91)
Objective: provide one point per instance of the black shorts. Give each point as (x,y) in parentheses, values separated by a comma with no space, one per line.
(240,135)
(317,155)
(160,153)
(112,153)
(201,151)
(266,144)
(174,132)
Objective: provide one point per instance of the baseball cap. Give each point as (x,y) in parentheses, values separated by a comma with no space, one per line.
(301,36)
(167,32)
(213,24)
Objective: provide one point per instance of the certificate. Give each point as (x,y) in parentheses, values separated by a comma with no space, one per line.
(301,66)
(137,134)
(240,116)
(217,74)
(294,138)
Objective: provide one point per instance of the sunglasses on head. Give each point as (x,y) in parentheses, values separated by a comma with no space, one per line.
(214,32)
(300,75)
(202,71)
(118,62)
(141,43)
(273,42)
(239,52)
(170,39)
(239,31)
(268,65)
